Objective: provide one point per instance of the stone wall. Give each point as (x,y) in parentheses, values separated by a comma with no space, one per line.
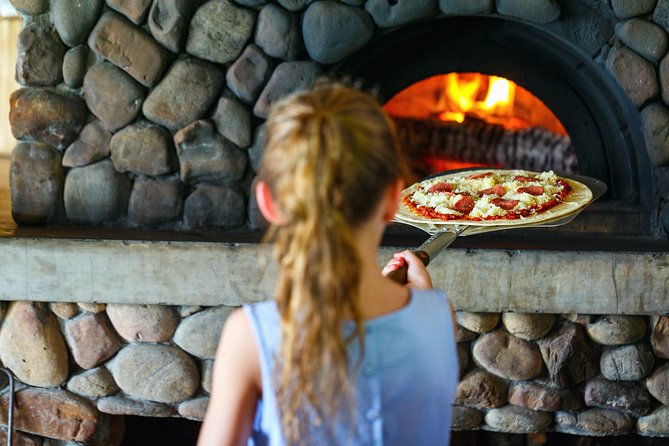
(82,365)
(150,113)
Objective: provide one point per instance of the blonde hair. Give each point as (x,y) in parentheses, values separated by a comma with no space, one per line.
(329,156)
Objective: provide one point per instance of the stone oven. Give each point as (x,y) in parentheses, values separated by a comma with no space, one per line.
(140,128)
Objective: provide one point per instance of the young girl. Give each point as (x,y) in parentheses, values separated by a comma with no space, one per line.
(342,355)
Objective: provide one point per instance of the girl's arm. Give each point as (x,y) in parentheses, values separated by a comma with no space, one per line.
(236,386)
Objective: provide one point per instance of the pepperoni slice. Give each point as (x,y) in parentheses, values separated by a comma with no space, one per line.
(441,187)
(532,190)
(507,205)
(497,189)
(522,179)
(476,176)
(464,204)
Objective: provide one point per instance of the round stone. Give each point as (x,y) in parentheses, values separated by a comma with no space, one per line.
(199,334)
(390,14)
(287,78)
(656,424)
(616,329)
(91,146)
(654,118)
(211,206)
(627,363)
(465,418)
(477,322)
(544,397)
(94,383)
(594,422)
(518,420)
(74,20)
(507,356)
(528,326)
(661,14)
(39,56)
(207,370)
(194,409)
(74,66)
(233,121)
(30,7)
(635,75)
(569,357)
(466,7)
(295,5)
(644,37)
(134,10)
(663,70)
(143,323)
(256,150)
(481,389)
(278,33)
(248,74)
(92,307)
(158,373)
(143,148)
(464,335)
(625,8)
(64,310)
(628,397)
(118,405)
(538,11)
(659,338)
(168,22)
(658,383)
(156,200)
(90,339)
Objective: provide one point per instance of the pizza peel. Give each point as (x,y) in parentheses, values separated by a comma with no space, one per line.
(442,234)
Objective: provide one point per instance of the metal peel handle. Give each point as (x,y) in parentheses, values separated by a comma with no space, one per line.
(426,252)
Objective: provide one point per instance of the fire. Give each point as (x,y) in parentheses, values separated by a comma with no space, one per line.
(490,98)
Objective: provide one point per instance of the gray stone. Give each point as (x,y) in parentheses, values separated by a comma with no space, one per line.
(278,33)
(129,48)
(248,74)
(644,37)
(543,397)
(74,20)
(627,363)
(31,345)
(569,357)
(199,334)
(189,310)
(39,56)
(159,373)
(625,9)
(214,206)
(464,335)
(287,78)
(143,323)
(252,3)
(663,70)
(35,183)
(91,146)
(481,389)
(168,22)
(46,115)
(477,322)
(631,398)
(465,418)
(74,66)
(332,31)
(143,148)
(90,339)
(256,219)
(194,409)
(661,14)
(155,200)
(135,10)
(635,75)
(219,30)
(658,383)
(518,420)
(655,424)
(119,405)
(30,7)
(594,422)
(111,95)
(589,27)
(207,370)
(538,11)
(390,14)
(64,310)
(656,132)
(295,5)
(468,7)
(204,155)
(258,147)
(659,338)
(96,194)
(94,383)
(507,356)
(528,326)
(185,94)
(616,329)
(92,307)
(233,121)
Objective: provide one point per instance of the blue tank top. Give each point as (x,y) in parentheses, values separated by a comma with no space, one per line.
(404,387)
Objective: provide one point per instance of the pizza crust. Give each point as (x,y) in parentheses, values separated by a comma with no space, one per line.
(578,198)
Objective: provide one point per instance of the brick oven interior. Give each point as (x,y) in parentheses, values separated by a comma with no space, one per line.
(133,230)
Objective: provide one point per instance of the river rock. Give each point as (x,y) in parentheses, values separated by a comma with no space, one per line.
(39,55)
(233,121)
(627,363)
(113,96)
(46,115)
(538,11)
(481,389)
(207,370)
(661,14)
(507,356)
(663,69)
(543,397)
(256,150)
(53,413)
(158,373)
(219,30)
(90,340)
(659,338)
(248,74)
(30,7)
(214,206)
(477,322)
(644,37)
(295,5)
(616,329)
(199,334)
(92,145)
(569,357)
(185,94)
(134,10)
(156,200)
(168,22)
(635,75)
(74,66)
(625,8)
(128,47)
(143,323)
(74,20)
(332,31)
(204,155)
(656,424)
(278,33)
(287,78)
(31,345)
(96,194)
(594,422)
(467,7)
(390,14)
(119,405)
(92,307)
(194,409)
(528,326)
(143,148)
(94,383)
(36,183)
(629,397)
(518,420)
(64,310)
(464,335)
(654,118)
(658,383)
(465,418)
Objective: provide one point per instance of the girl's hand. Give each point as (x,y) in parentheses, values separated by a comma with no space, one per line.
(417,275)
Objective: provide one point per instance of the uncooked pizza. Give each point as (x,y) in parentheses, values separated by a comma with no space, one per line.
(490,195)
